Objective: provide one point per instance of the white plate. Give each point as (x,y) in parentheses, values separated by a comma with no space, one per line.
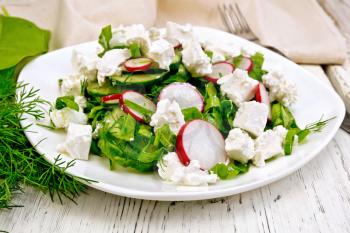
(315,99)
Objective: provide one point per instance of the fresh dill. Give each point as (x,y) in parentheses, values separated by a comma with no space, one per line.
(19,162)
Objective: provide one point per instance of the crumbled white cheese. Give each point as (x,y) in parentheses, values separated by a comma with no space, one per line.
(81,101)
(162,52)
(155,34)
(195,59)
(238,86)
(168,112)
(78,141)
(85,63)
(110,63)
(61,118)
(222,50)
(171,169)
(71,84)
(176,33)
(252,117)
(269,144)
(239,145)
(280,89)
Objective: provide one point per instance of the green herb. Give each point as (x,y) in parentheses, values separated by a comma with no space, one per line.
(104,38)
(209,54)
(230,170)
(312,128)
(211,98)
(289,141)
(19,162)
(135,50)
(257,72)
(165,137)
(124,128)
(19,39)
(66,101)
(191,114)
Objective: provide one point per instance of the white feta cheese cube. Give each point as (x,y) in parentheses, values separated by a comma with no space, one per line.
(238,86)
(172,170)
(162,52)
(110,63)
(61,118)
(280,89)
(71,84)
(78,141)
(269,144)
(176,33)
(252,117)
(168,112)
(239,145)
(85,63)
(195,59)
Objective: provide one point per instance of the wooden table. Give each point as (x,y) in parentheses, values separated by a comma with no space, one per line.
(316,198)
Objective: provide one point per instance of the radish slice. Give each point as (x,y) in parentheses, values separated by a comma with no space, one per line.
(138,64)
(138,99)
(219,69)
(200,140)
(246,64)
(262,96)
(184,94)
(111,99)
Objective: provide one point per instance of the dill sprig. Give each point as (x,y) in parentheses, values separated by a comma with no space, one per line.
(19,162)
(318,125)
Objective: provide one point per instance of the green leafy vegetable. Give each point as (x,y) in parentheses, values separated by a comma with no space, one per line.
(66,101)
(138,108)
(211,98)
(165,137)
(19,39)
(191,114)
(230,170)
(281,115)
(257,72)
(124,128)
(104,37)
(135,50)
(289,141)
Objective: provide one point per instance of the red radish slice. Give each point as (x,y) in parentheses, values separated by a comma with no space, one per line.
(111,99)
(219,69)
(184,94)
(200,140)
(138,99)
(138,64)
(262,96)
(246,64)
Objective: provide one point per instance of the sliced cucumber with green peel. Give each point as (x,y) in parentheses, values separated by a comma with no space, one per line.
(107,88)
(129,79)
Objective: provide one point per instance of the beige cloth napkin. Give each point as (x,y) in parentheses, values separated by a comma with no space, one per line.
(300,29)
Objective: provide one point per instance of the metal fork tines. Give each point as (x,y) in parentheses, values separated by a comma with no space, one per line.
(235,21)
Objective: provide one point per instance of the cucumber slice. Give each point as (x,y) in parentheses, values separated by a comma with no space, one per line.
(94,89)
(128,79)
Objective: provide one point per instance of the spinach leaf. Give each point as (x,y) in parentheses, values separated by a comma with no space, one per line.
(191,114)
(230,170)
(257,72)
(105,36)
(165,137)
(19,39)
(135,50)
(66,101)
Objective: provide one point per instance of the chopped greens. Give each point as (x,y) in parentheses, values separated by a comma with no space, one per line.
(66,101)
(257,72)
(230,170)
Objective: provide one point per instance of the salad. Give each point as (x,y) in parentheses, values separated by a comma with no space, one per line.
(165,101)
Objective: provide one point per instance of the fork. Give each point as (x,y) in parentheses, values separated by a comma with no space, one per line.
(235,21)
